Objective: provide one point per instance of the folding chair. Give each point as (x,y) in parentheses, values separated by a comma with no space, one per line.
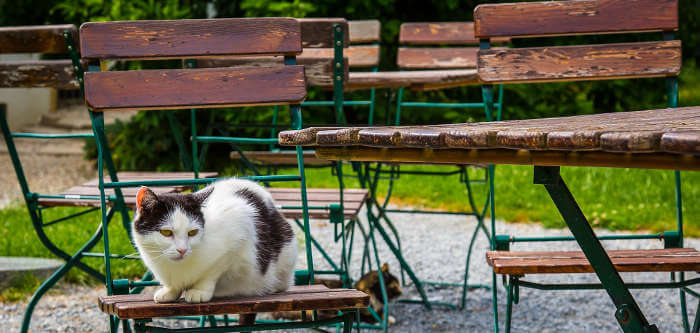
(576,63)
(170,89)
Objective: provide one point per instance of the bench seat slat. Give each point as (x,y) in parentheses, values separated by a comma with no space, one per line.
(433,33)
(582,62)
(359,56)
(309,298)
(364,31)
(416,80)
(35,39)
(659,260)
(194,88)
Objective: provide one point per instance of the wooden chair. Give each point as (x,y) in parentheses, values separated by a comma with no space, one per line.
(58,74)
(575,63)
(169,89)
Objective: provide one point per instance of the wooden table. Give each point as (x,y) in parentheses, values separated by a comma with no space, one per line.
(654,139)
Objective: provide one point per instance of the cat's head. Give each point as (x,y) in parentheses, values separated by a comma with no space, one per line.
(169,225)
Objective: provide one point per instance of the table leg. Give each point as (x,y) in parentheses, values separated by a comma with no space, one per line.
(628,314)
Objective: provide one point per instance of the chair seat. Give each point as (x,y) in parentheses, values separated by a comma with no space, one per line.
(280,158)
(657,260)
(416,80)
(297,298)
(353,199)
(75,195)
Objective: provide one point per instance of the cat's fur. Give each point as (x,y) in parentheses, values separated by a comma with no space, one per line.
(243,245)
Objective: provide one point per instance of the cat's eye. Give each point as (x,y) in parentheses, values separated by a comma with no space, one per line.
(166,232)
(192,232)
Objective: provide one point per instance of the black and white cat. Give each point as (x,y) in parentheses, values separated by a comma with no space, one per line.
(224,240)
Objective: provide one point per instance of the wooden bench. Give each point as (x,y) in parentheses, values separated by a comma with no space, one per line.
(165,89)
(654,139)
(297,298)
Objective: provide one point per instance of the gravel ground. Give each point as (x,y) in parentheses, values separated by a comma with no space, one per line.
(435,246)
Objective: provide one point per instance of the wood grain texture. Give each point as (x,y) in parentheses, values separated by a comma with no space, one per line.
(436,58)
(681,141)
(636,132)
(364,31)
(434,33)
(190,38)
(585,62)
(318,32)
(280,158)
(194,88)
(574,17)
(34,74)
(661,260)
(35,39)
(415,80)
(359,56)
(318,68)
(297,299)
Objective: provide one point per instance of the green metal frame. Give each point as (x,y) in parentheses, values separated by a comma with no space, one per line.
(35,209)
(394,173)
(125,286)
(628,314)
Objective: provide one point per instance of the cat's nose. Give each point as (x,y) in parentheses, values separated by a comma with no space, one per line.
(181,251)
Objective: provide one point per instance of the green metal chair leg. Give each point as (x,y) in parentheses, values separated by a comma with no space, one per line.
(57,275)
(696,323)
(347,321)
(509,304)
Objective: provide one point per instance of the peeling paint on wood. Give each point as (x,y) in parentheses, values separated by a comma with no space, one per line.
(38,74)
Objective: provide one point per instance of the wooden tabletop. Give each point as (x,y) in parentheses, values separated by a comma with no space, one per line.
(658,139)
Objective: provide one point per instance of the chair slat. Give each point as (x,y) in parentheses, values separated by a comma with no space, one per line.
(32,74)
(585,62)
(437,58)
(358,55)
(35,39)
(574,17)
(194,88)
(364,31)
(162,39)
(427,33)
(318,32)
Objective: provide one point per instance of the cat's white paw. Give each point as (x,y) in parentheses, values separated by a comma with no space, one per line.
(164,295)
(197,296)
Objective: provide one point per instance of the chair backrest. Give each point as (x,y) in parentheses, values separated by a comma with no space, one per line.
(582,62)
(192,88)
(46,39)
(317,58)
(361,41)
(457,36)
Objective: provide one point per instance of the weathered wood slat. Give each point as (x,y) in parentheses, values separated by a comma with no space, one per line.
(661,260)
(574,17)
(196,88)
(318,69)
(135,307)
(416,80)
(32,74)
(437,58)
(318,32)
(364,31)
(585,62)
(357,56)
(638,131)
(35,39)
(433,33)
(280,158)
(190,38)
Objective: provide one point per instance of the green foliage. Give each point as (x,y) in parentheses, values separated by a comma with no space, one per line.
(294,8)
(78,11)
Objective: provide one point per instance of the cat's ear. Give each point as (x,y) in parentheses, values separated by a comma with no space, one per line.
(145,198)
(202,195)
(385,267)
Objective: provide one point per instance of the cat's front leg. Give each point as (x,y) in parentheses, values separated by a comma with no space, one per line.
(165,294)
(201,292)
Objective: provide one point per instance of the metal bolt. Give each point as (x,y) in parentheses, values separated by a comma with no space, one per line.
(338,43)
(337,29)
(623,315)
(70,47)
(338,78)
(337,65)
(76,67)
